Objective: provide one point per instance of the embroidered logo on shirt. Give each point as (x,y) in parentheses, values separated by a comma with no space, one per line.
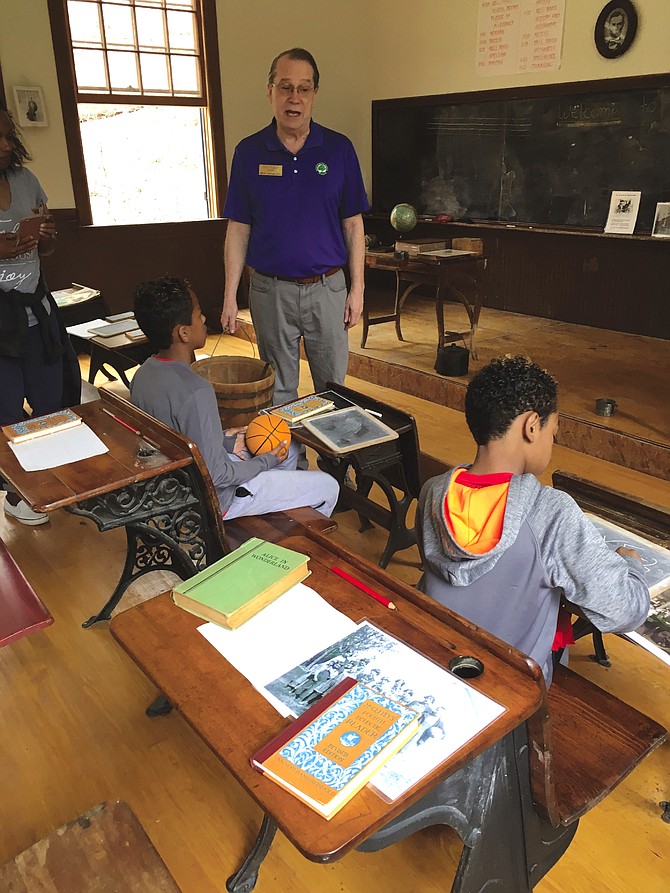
(321,168)
(270,170)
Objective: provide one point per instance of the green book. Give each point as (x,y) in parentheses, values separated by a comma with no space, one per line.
(241,584)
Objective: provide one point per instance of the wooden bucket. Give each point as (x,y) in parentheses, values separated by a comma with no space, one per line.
(242,385)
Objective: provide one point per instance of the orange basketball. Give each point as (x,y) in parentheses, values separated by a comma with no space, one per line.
(266,432)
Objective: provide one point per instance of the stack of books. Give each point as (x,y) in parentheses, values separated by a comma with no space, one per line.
(336,746)
(420,246)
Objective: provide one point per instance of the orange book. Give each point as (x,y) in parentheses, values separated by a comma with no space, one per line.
(331,751)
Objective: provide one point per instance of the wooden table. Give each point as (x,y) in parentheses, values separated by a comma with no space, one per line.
(393,466)
(172,521)
(459,278)
(119,353)
(488,801)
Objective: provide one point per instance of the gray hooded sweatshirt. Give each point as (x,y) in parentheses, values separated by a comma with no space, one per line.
(548,547)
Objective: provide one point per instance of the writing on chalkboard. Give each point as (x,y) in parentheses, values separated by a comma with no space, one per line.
(518,157)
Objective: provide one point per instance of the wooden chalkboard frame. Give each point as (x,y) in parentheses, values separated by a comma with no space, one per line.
(544,91)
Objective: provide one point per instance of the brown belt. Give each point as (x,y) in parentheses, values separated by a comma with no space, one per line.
(302,280)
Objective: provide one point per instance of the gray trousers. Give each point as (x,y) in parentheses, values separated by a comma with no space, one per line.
(283,313)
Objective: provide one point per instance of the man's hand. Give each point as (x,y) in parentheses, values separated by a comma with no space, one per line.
(353,308)
(229,317)
(11,246)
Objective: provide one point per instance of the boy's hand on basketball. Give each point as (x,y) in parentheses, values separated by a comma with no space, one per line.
(280,451)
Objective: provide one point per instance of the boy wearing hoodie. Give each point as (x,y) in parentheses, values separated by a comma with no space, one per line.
(504,551)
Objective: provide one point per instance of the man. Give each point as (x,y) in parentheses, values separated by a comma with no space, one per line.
(294,207)
(615,28)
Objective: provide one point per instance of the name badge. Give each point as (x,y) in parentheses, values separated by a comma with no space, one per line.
(270,170)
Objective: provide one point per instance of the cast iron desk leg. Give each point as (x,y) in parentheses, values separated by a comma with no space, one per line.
(507,847)
(245,878)
(166,529)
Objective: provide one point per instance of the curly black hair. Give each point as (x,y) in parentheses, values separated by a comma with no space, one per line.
(160,305)
(19,152)
(502,391)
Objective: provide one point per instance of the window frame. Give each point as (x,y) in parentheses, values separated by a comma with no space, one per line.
(211,105)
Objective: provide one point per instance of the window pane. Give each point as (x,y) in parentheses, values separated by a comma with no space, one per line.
(118,26)
(144,164)
(154,73)
(89,67)
(84,22)
(185,75)
(123,72)
(150,28)
(181,28)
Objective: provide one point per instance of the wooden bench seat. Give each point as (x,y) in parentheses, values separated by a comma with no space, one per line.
(592,741)
(21,611)
(105,849)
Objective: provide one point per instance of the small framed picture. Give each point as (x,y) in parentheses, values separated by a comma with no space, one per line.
(661,228)
(615,29)
(30,108)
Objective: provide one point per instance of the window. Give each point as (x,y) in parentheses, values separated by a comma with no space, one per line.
(144,98)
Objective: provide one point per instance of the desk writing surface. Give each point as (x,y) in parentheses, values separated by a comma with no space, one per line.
(235,721)
(57,487)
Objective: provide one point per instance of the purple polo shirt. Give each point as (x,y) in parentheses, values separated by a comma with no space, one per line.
(295,203)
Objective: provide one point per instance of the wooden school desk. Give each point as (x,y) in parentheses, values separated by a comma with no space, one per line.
(393,466)
(160,500)
(456,278)
(491,809)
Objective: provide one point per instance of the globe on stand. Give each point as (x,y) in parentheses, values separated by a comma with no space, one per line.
(404,218)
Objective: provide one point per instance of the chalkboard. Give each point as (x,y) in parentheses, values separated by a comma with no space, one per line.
(518,156)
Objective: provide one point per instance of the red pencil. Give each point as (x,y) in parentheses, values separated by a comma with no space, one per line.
(120,421)
(366,589)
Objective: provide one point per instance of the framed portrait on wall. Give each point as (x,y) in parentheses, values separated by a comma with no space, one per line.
(30,108)
(616,28)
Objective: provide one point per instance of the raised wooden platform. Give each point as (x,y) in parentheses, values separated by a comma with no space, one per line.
(588,363)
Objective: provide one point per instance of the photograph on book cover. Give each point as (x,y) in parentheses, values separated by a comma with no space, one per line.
(452,712)
(349,429)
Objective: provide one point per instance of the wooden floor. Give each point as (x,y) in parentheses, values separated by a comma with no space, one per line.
(74,733)
(587,362)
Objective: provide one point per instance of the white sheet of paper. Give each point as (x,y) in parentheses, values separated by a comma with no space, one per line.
(292,628)
(447,252)
(60,448)
(623,212)
(83,330)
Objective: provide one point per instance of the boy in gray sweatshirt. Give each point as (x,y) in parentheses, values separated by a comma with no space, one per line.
(506,552)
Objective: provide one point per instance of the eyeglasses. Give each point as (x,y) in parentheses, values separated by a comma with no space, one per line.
(289,89)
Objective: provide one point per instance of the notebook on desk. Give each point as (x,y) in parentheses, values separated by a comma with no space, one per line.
(114,328)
